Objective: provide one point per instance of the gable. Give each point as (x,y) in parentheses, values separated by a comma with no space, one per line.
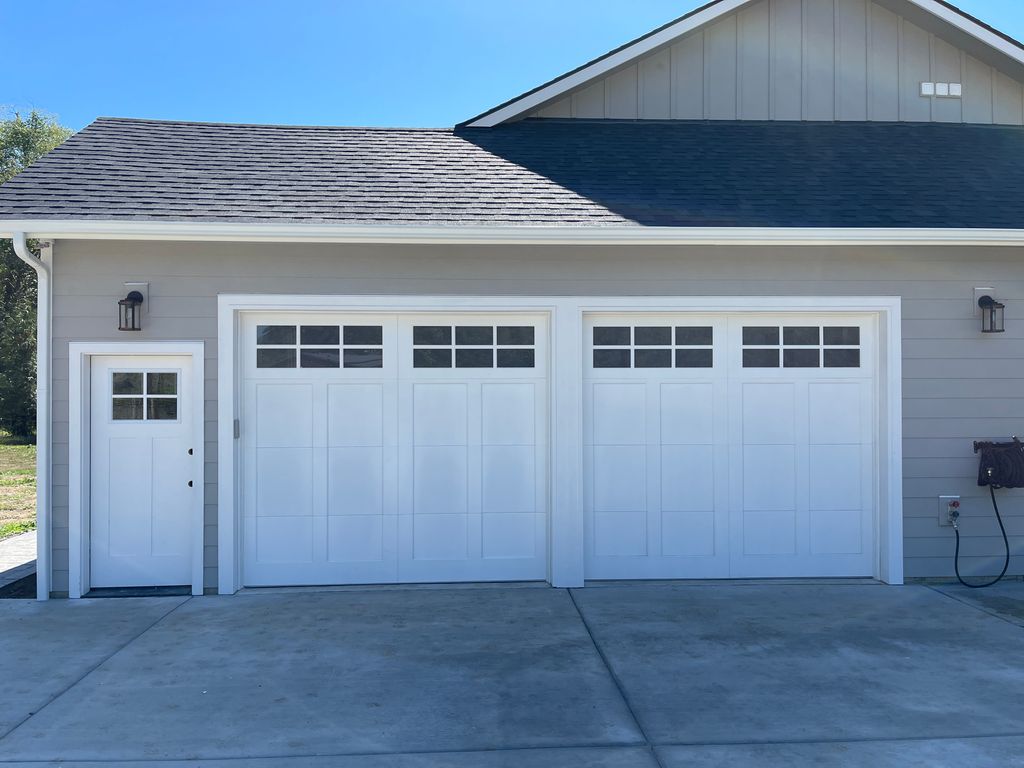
(818,60)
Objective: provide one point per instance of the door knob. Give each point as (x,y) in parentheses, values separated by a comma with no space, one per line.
(189,483)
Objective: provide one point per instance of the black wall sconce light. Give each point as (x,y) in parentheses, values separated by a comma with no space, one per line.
(130,312)
(991,315)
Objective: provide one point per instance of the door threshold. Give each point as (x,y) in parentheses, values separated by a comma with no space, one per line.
(176,591)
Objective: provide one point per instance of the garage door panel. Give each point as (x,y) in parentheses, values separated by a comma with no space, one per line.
(836,532)
(835,477)
(508,414)
(769,533)
(835,412)
(620,534)
(769,478)
(440,480)
(509,478)
(620,478)
(687,413)
(688,534)
(358,538)
(510,535)
(688,478)
(440,536)
(284,482)
(619,414)
(355,481)
(355,414)
(284,540)
(440,414)
(284,415)
(769,413)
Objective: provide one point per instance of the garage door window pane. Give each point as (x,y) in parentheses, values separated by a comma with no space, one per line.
(760,335)
(364,334)
(432,334)
(127,409)
(320,334)
(611,337)
(432,358)
(474,358)
(161,383)
(275,358)
(694,358)
(515,358)
(275,334)
(364,358)
(694,337)
(472,334)
(515,334)
(801,336)
(127,384)
(842,336)
(320,358)
(760,358)
(801,358)
(842,358)
(162,409)
(652,358)
(652,337)
(611,358)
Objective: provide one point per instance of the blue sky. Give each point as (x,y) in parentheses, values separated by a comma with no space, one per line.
(322,62)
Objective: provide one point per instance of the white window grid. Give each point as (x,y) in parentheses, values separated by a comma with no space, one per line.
(673,346)
(341,346)
(821,346)
(145,396)
(494,346)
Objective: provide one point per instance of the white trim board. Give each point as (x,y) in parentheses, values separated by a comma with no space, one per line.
(559,87)
(79,399)
(566,314)
(505,235)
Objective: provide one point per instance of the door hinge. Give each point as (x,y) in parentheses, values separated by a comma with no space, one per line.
(238,429)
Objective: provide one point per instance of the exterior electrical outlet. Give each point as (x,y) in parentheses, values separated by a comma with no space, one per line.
(946,505)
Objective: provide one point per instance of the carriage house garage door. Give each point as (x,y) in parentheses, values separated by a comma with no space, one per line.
(393,448)
(729,446)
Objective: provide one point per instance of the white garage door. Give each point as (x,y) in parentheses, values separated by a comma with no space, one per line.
(394,448)
(729,446)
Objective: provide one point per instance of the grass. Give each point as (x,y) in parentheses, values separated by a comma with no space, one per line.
(17,486)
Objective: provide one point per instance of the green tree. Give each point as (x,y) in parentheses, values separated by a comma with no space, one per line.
(22,142)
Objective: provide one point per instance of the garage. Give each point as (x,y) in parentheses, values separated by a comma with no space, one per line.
(392,448)
(730,445)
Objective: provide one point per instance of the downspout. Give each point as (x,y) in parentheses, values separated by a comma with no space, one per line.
(43,399)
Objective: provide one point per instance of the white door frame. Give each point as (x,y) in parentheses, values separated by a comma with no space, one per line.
(565,509)
(80,356)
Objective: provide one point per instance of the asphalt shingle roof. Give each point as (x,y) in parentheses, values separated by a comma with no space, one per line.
(534,173)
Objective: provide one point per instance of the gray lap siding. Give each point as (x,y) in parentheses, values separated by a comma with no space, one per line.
(958,385)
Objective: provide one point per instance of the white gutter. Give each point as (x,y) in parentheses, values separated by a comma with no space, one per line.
(42,268)
(504,235)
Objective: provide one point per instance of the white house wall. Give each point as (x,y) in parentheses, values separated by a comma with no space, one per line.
(802,60)
(958,385)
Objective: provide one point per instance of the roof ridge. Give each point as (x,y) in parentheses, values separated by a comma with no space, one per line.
(276,126)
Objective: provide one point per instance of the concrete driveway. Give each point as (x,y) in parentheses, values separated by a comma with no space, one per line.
(496,677)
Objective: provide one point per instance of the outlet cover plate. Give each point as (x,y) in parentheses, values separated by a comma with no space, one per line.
(944,502)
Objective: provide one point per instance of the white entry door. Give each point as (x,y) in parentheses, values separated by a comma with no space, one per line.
(729,446)
(394,448)
(142,475)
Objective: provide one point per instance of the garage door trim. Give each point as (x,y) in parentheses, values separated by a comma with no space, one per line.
(566,327)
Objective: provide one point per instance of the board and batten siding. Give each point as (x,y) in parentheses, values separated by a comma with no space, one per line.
(958,385)
(817,60)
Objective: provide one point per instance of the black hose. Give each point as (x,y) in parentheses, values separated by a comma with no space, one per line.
(1006,543)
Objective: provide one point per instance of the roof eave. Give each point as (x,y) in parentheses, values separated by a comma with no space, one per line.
(501,235)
